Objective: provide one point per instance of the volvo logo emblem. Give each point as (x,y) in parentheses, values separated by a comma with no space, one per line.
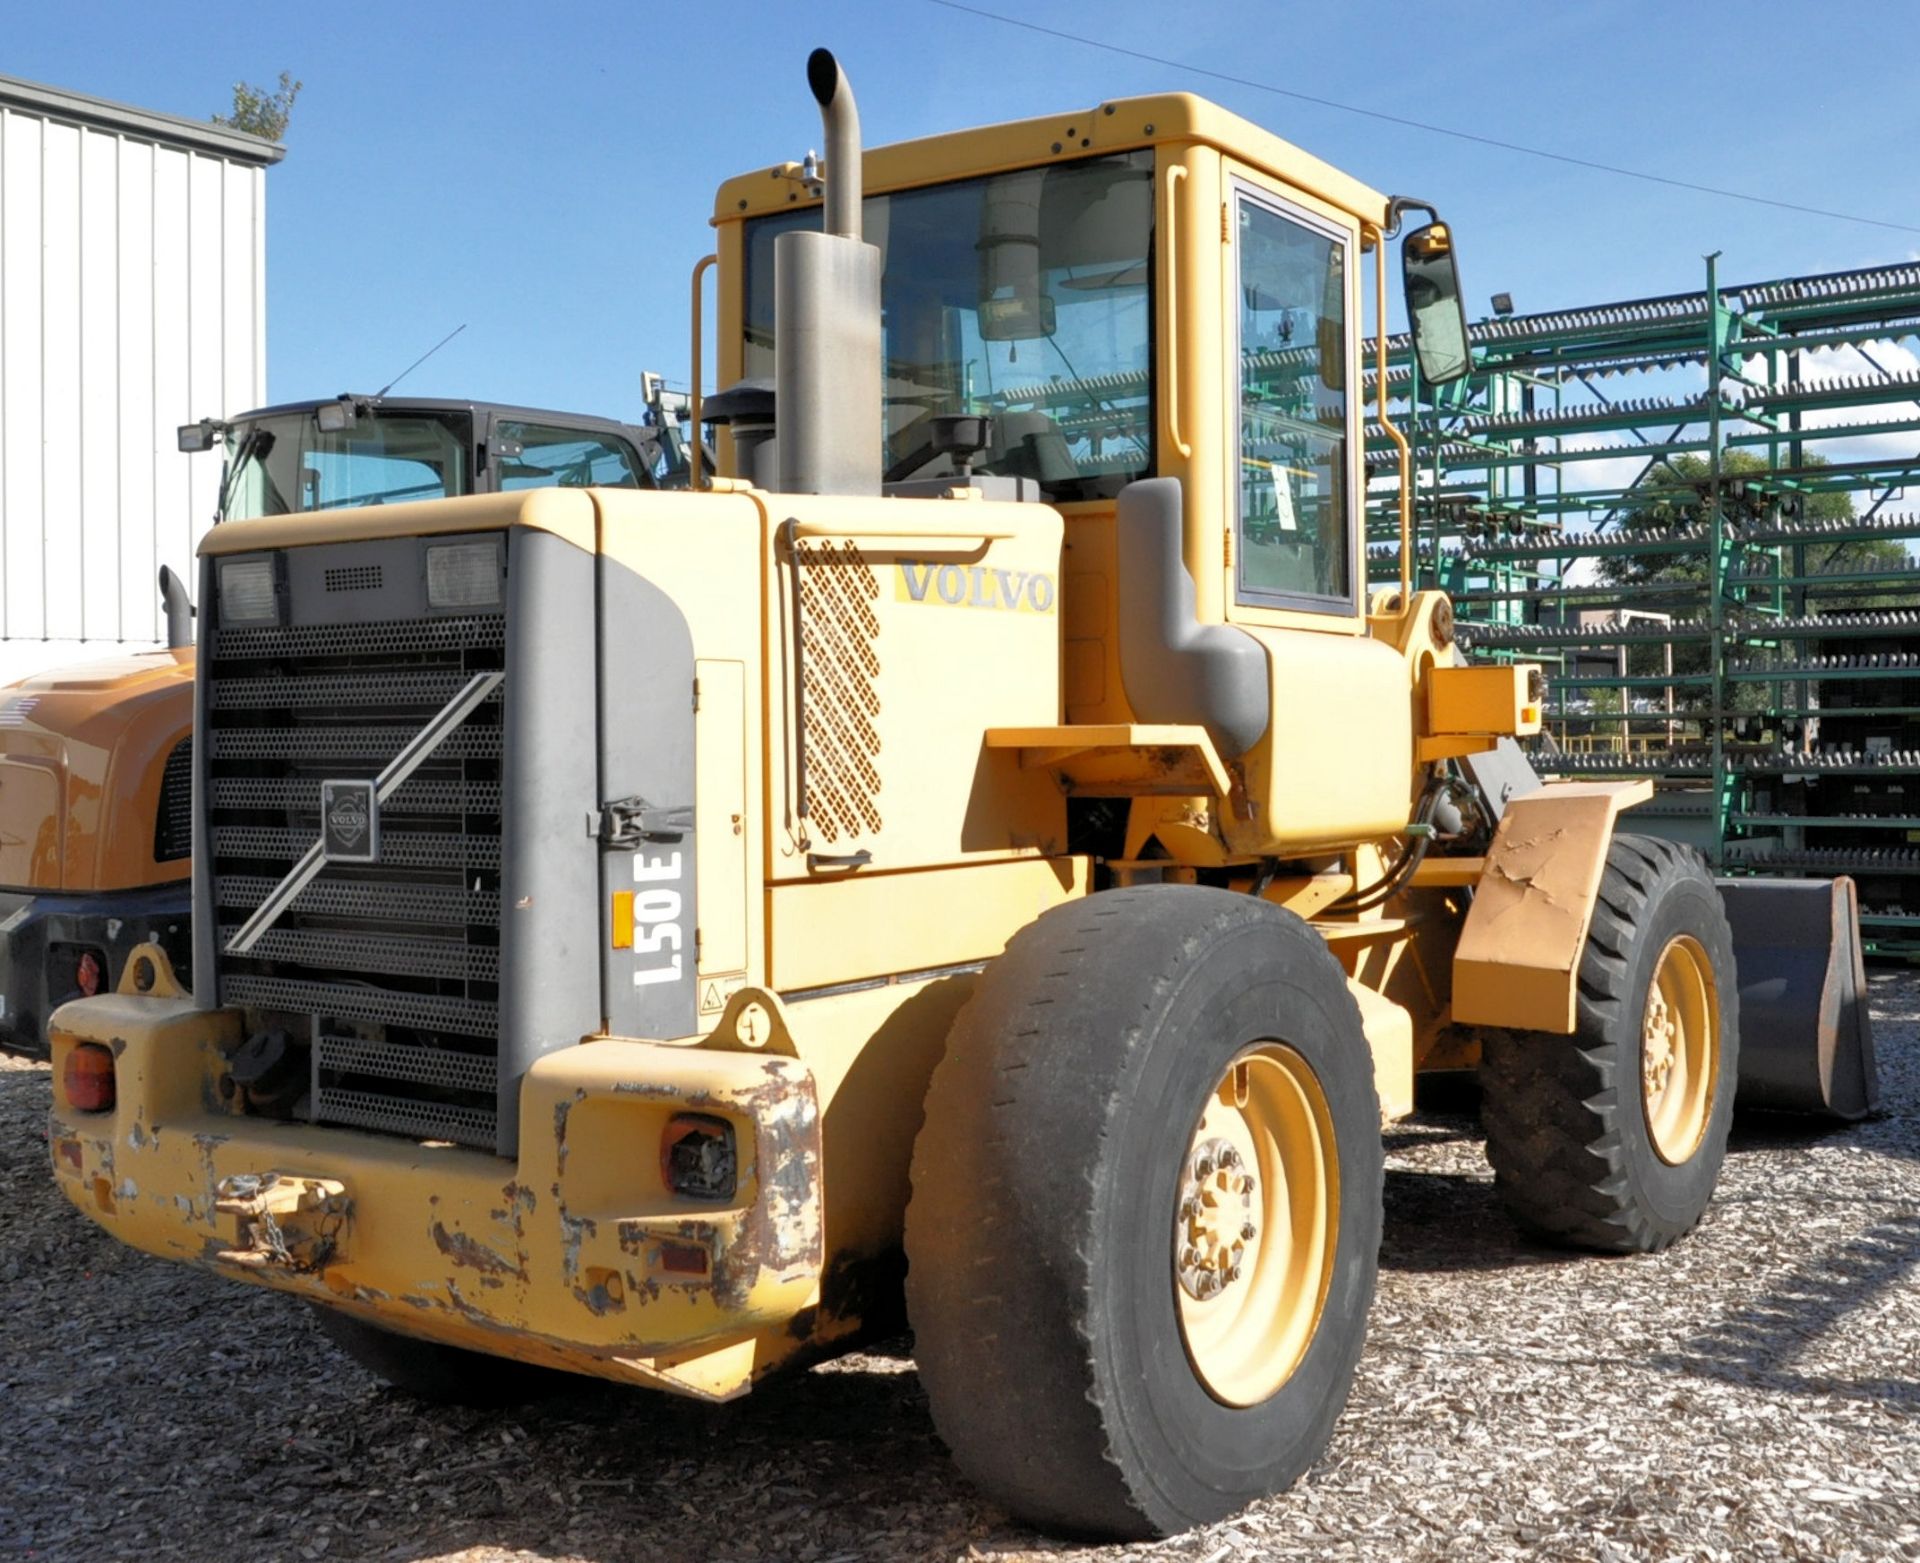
(349,822)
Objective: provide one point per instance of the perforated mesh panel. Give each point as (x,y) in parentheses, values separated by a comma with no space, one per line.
(404,953)
(840,671)
(173,820)
(353,578)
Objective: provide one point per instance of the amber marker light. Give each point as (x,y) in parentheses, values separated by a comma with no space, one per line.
(88,1079)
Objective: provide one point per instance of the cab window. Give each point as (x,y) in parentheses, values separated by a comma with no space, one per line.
(534,455)
(1295,522)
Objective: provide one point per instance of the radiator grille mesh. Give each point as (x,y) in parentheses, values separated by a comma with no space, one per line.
(840,672)
(390,970)
(173,821)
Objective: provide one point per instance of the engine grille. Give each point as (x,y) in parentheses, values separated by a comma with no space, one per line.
(173,821)
(391,970)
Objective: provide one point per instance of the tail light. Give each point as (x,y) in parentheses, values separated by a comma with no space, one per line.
(75,971)
(88,1078)
(697,1156)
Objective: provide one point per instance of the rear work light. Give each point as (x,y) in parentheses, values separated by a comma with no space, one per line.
(463,575)
(88,1079)
(247,592)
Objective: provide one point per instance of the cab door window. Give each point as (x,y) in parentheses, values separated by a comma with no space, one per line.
(534,455)
(1296,542)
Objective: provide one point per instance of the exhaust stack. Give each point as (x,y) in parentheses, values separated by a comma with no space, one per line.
(826,300)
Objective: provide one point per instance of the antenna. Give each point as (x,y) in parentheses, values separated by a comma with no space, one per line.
(419,361)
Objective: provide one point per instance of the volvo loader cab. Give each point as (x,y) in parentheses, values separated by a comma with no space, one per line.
(988,824)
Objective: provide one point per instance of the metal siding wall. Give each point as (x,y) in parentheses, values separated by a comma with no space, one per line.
(132,299)
(20,390)
(60,446)
(99,564)
(168,522)
(138,440)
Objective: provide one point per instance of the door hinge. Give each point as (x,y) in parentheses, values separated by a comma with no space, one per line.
(1226,223)
(626,822)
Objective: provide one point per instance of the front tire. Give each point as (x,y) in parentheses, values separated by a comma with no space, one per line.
(1145,1221)
(1612,1138)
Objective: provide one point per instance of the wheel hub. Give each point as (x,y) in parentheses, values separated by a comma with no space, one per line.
(1657,1041)
(1680,1050)
(1255,1224)
(1216,1219)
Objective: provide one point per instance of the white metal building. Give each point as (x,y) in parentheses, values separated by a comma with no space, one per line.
(132,300)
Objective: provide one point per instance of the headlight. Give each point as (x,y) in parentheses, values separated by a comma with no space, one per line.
(463,575)
(246,592)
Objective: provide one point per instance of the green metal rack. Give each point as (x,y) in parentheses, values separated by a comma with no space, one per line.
(1772,693)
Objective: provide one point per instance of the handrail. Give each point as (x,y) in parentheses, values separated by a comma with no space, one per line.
(1175,174)
(693,402)
(797,528)
(1399,439)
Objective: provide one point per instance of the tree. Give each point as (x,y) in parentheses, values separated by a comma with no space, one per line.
(1677,496)
(262,111)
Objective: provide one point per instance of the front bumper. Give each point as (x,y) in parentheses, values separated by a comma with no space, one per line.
(575,1256)
(39,930)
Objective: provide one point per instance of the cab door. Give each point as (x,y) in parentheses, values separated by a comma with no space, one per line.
(1296,557)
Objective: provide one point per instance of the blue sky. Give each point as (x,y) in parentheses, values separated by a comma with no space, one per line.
(544,174)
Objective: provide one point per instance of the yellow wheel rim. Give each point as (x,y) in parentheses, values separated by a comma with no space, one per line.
(1680,1050)
(1255,1225)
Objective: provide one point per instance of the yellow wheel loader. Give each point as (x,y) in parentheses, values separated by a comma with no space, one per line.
(987,824)
(96,764)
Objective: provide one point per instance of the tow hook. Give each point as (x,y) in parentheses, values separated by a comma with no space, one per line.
(274,1218)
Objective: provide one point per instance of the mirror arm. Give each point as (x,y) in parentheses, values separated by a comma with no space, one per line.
(1398,206)
(1403,450)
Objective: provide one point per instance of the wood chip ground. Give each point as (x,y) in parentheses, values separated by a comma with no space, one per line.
(1753,1394)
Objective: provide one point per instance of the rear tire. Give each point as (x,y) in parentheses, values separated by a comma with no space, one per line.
(1612,1138)
(1081,1359)
(438,1374)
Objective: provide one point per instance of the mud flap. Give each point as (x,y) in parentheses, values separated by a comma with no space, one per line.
(1806,1038)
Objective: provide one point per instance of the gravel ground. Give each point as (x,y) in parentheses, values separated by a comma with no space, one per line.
(1754,1394)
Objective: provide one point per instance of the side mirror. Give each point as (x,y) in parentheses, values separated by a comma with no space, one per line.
(204,435)
(1434,306)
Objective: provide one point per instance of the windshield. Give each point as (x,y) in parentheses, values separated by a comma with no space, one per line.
(285,464)
(1024,295)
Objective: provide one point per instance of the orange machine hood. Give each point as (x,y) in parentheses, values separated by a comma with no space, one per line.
(83,751)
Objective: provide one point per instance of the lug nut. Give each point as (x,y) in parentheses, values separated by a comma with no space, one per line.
(1246,1233)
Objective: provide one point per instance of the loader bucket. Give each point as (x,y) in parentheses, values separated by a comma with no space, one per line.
(1806,1039)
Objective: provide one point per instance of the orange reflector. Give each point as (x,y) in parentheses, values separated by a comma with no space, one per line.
(88,1079)
(87,973)
(623,919)
(683,1259)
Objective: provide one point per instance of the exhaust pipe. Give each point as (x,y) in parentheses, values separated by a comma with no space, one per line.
(841,117)
(826,302)
(179,609)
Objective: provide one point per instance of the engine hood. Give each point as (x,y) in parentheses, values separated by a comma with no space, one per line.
(83,752)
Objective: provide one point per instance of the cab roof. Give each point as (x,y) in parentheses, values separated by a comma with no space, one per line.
(1116,126)
(435,404)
